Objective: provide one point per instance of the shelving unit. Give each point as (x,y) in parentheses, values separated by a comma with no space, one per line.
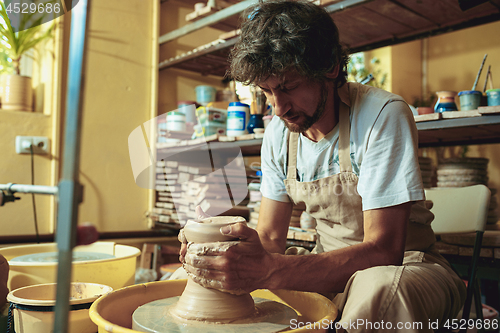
(363,25)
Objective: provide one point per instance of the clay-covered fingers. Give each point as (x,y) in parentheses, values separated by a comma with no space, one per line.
(183,241)
(210,249)
(240,230)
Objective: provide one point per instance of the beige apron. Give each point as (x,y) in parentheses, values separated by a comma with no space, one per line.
(424,285)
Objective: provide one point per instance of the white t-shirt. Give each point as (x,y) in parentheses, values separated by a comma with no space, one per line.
(384,146)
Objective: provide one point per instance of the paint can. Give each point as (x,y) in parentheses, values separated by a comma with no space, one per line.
(176,121)
(205,94)
(493,97)
(469,99)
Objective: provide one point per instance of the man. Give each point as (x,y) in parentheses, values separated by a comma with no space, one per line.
(349,152)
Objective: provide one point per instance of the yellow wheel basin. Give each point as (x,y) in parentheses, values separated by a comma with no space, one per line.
(113,312)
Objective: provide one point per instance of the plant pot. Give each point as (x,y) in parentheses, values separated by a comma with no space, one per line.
(17,93)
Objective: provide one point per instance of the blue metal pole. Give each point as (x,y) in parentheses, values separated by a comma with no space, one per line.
(70,190)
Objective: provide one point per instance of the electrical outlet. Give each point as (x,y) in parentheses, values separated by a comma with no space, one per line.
(40,144)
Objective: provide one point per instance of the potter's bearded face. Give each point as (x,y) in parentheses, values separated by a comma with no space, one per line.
(305,121)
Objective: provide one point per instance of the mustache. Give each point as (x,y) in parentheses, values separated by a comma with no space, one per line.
(292,114)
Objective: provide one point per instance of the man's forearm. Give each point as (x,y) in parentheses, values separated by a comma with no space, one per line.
(325,272)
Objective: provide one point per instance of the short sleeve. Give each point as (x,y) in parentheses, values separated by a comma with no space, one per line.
(390,174)
(273,161)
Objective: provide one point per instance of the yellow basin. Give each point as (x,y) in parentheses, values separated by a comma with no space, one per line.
(113,312)
(116,272)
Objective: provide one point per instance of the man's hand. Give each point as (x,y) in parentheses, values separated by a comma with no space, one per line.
(236,267)
(182,238)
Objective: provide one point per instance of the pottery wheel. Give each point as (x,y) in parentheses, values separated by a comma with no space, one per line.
(270,316)
(52,257)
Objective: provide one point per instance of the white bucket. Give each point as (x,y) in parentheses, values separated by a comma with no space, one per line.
(33,307)
(238,115)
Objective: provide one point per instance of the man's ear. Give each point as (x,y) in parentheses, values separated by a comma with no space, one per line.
(334,73)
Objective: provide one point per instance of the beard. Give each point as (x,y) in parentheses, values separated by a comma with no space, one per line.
(309,120)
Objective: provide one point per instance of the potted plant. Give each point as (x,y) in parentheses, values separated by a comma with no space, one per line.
(17,90)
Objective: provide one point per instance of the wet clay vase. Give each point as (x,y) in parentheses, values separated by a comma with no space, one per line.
(206,304)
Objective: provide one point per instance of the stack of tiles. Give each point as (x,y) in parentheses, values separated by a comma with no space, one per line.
(181,187)
(426,170)
(460,172)
(167,190)
(493,210)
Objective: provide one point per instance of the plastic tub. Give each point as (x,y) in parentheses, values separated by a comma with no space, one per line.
(469,99)
(238,115)
(176,121)
(115,272)
(205,94)
(493,97)
(34,307)
(112,314)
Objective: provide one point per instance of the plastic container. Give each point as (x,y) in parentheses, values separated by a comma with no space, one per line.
(211,115)
(115,272)
(445,102)
(34,307)
(255,122)
(493,97)
(469,99)
(209,128)
(267,119)
(205,94)
(176,121)
(238,115)
(112,314)
(189,110)
(162,127)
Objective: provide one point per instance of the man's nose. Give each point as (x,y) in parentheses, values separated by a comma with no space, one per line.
(281,103)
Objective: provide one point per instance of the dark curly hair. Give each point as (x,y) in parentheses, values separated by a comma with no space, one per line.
(278,36)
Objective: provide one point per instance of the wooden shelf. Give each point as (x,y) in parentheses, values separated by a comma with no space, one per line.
(459,131)
(363,25)
(442,132)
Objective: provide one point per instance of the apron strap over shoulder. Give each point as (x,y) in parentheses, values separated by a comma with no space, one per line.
(293,139)
(344,139)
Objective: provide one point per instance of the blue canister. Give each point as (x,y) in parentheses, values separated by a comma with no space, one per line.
(256,121)
(205,94)
(493,97)
(237,118)
(469,99)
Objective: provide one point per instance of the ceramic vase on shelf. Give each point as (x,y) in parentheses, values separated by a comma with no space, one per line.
(446,101)
(17,93)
